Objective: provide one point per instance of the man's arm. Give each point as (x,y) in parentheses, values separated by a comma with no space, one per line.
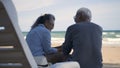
(97,38)
(67,45)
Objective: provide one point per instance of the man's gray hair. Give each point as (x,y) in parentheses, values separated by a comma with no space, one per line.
(85,12)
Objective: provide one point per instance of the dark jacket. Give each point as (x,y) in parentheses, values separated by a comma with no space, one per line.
(85,38)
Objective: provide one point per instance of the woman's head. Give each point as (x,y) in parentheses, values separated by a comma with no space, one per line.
(47,20)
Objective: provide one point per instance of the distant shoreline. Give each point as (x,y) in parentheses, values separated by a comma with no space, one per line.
(103,31)
(106,34)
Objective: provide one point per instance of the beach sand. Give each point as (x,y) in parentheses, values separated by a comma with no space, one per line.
(111,56)
(110,53)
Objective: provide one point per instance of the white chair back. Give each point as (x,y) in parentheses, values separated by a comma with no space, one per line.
(14,51)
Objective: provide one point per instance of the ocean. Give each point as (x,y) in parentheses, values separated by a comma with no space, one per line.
(110,37)
(106,34)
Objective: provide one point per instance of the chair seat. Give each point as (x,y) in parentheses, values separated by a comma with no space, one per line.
(41,61)
(71,64)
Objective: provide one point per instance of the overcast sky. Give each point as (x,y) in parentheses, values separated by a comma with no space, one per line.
(106,13)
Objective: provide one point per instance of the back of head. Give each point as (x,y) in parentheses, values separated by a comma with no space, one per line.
(41,19)
(84,14)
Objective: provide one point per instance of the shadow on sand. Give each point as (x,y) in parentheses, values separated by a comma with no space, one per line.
(110,65)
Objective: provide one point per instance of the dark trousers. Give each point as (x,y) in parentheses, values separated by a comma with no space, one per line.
(54,58)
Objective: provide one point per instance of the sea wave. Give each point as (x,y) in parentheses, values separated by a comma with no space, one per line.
(111,41)
(105,41)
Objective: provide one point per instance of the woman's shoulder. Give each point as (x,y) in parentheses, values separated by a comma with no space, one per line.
(42,29)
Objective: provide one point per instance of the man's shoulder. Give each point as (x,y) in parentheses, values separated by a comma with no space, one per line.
(72,27)
(95,25)
(84,25)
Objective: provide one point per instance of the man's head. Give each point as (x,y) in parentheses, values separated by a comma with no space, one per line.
(83,14)
(47,20)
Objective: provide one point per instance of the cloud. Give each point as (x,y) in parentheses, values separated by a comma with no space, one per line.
(103,13)
(26,5)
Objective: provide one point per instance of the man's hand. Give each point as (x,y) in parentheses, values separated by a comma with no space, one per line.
(59,48)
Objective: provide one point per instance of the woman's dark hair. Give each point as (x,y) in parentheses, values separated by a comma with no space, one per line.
(42,19)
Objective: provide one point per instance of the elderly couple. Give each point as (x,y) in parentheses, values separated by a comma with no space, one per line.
(84,37)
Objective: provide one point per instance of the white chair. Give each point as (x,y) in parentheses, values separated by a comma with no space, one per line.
(14,51)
